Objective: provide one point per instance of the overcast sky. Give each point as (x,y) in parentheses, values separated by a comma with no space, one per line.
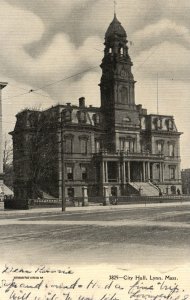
(45,41)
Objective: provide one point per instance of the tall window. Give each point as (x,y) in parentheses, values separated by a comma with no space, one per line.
(171,150)
(124,95)
(83,145)
(69,170)
(97,146)
(172,172)
(122,144)
(68,145)
(160,147)
(70,192)
(127,145)
(84,172)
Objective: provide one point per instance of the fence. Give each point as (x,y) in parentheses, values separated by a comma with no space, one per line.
(78,201)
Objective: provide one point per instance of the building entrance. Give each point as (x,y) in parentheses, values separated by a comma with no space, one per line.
(136,171)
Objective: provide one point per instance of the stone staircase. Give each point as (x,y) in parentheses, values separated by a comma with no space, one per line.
(145,188)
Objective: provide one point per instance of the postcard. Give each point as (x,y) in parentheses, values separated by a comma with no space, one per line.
(94,150)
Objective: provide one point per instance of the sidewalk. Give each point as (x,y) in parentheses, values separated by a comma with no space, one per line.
(88,208)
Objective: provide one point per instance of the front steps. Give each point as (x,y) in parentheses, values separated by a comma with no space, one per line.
(145,188)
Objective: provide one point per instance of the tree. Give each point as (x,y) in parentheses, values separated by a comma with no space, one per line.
(8,163)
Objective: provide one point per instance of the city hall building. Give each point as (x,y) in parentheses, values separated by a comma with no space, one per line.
(116,147)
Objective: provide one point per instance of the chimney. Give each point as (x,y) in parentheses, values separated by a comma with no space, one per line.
(82,102)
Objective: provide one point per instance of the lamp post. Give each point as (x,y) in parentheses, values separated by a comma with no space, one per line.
(63,199)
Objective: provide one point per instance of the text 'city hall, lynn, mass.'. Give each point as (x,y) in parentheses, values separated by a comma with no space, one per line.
(117,147)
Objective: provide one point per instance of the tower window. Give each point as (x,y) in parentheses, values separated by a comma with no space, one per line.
(124,95)
(122,51)
(110,50)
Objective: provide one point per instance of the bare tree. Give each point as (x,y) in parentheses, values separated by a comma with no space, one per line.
(8,162)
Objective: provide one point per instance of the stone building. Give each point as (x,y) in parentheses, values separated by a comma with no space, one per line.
(116,147)
(185,178)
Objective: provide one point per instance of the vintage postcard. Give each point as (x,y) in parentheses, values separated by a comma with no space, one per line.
(94,150)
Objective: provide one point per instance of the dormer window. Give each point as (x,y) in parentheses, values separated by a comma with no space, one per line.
(96,118)
(158,123)
(82,117)
(169,124)
(67,115)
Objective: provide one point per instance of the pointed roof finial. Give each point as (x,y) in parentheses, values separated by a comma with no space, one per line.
(115,5)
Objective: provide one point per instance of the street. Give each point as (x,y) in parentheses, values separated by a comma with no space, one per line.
(134,234)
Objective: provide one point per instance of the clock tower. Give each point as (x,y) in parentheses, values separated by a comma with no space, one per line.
(117,84)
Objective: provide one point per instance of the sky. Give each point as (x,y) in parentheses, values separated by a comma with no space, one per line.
(45,41)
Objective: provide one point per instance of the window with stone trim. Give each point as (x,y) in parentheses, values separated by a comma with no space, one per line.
(68,141)
(127,145)
(97,146)
(83,145)
(172,170)
(69,170)
(160,146)
(84,173)
(171,149)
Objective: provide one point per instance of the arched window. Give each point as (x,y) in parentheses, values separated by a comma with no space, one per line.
(122,51)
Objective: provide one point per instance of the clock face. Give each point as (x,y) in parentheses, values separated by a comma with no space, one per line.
(123,73)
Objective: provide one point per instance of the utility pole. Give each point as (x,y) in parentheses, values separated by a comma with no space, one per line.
(2,86)
(62,166)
